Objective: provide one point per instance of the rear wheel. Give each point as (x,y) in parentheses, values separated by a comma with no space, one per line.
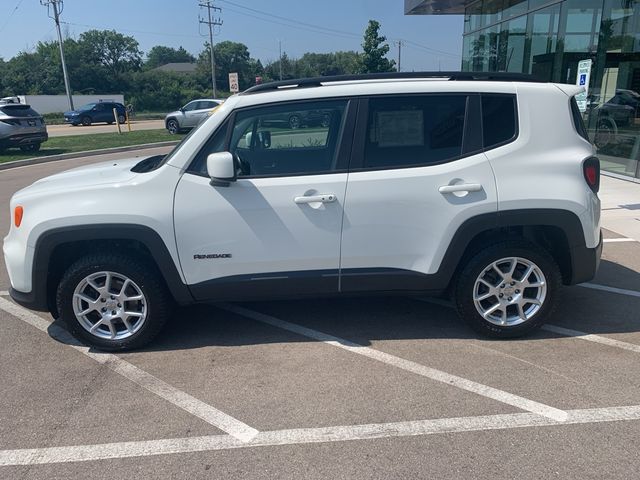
(32,147)
(121,119)
(508,289)
(294,122)
(113,301)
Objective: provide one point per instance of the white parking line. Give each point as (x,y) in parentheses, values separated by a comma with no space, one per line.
(85,453)
(177,397)
(592,338)
(605,288)
(618,240)
(432,373)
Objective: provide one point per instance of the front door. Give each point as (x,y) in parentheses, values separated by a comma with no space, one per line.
(276,229)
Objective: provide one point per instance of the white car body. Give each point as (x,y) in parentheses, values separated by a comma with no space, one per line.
(381,230)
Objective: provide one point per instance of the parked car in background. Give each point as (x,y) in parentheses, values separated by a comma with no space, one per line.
(190,115)
(96,112)
(21,126)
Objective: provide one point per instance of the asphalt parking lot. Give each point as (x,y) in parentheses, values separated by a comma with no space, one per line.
(342,388)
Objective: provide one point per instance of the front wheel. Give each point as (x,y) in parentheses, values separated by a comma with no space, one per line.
(173,127)
(86,121)
(113,301)
(508,289)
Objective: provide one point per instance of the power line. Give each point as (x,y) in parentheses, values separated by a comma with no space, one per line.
(298,22)
(323,30)
(11,14)
(211,22)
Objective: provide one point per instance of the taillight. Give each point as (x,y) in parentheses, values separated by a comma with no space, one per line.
(17,215)
(591,171)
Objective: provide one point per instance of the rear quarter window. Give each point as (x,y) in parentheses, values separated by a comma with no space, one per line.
(578,123)
(499,119)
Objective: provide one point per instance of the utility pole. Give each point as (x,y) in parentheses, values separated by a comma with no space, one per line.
(280,62)
(57,6)
(399,43)
(211,22)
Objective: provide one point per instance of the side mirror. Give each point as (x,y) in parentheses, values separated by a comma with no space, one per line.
(221,168)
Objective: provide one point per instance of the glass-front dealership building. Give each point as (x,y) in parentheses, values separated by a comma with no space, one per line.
(552,39)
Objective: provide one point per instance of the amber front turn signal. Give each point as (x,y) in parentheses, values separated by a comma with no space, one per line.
(17,215)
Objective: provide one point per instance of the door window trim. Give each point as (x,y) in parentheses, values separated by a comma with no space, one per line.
(470,144)
(344,136)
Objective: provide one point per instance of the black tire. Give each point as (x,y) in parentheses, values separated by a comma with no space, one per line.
(465,284)
(158,300)
(295,122)
(326,120)
(86,121)
(32,147)
(172,126)
(121,119)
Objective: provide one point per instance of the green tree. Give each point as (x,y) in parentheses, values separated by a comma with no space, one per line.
(161,55)
(373,59)
(116,52)
(229,57)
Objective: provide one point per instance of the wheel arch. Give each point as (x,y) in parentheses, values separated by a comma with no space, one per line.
(56,249)
(558,231)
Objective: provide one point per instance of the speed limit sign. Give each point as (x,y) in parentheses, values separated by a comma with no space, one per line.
(233,83)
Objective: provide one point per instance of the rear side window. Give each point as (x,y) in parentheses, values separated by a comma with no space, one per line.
(499,124)
(414,131)
(578,123)
(19,111)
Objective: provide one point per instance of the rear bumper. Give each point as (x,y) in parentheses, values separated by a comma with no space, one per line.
(21,139)
(584,263)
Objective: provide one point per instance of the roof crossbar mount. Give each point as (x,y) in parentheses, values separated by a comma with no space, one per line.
(452,76)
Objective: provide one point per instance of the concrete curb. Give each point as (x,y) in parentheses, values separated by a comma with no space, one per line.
(89,153)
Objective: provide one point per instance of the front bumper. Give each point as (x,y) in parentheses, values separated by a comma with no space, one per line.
(32,300)
(584,263)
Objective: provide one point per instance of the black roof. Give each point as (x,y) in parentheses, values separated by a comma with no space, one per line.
(451,76)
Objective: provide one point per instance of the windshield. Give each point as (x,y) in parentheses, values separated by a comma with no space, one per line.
(88,106)
(177,147)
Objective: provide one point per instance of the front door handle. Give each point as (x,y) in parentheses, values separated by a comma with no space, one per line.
(322,198)
(462,187)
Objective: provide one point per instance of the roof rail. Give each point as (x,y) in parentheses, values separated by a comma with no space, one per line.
(452,76)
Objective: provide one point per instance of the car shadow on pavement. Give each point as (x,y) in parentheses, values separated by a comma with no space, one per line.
(363,320)
(366,319)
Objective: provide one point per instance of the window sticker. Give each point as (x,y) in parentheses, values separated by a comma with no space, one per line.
(400,128)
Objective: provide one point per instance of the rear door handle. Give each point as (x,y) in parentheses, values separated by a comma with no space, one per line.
(462,187)
(322,198)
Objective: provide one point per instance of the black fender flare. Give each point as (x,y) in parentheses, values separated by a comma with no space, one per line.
(37,299)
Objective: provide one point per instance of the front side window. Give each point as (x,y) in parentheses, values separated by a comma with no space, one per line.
(190,106)
(294,139)
(414,131)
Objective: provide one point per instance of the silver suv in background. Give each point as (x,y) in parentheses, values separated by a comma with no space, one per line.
(21,126)
(190,115)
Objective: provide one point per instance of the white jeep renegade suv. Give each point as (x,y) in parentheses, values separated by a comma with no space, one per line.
(479,186)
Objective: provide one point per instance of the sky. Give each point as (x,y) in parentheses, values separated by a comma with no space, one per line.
(428,42)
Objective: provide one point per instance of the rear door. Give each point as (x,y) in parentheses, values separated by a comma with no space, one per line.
(418,172)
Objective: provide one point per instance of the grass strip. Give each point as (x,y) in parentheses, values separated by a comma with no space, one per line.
(97,141)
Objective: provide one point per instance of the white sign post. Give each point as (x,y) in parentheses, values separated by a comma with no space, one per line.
(582,80)
(233,83)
